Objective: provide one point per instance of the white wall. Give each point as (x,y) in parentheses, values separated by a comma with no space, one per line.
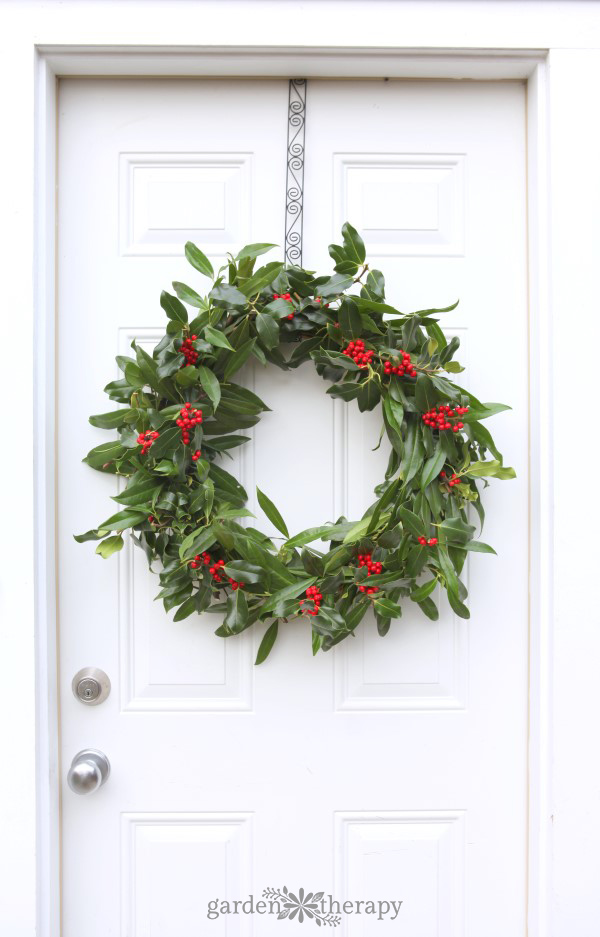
(571,30)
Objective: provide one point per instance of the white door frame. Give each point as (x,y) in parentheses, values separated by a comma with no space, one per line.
(51,63)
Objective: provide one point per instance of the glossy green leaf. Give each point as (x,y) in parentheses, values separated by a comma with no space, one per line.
(422,592)
(184,611)
(217,338)
(175,310)
(288,592)
(114,418)
(104,453)
(239,358)
(210,384)
(433,466)
(268,329)
(198,260)
(236,615)
(477,546)
(199,540)
(188,295)
(225,294)
(122,520)
(262,278)
(250,251)
(266,645)
(492,469)
(349,318)
(353,244)
(242,571)
(109,546)
(272,512)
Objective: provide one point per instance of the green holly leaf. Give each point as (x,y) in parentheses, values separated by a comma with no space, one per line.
(236,616)
(369,395)
(266,645)
(433,466)
(114,418)
(268,330)
(239,358)
(175,310)
(353,244)
(492,469)
(198,260)
(200,539)
(422,592)
(272,512)
(226,295)
(349,319)
(210,384)
(185,610)
(109,546)
(288,592)
(105,453)
(242,571)
(262,278)
(251,251)
(188,295)
(122,520)
(217,338)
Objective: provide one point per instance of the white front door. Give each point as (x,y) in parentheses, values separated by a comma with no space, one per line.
(388,770)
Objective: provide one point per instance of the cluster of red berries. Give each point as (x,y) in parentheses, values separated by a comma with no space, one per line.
(288,297)
(439,417)
(428,543)
(356,351)
(196,455)
(187,349)
(145,440)
(406,367)
(312,595)
(188,418)
(455,480)
(214,569)
(373,569)
(199,559)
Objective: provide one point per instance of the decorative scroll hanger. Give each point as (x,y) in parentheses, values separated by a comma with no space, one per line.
(294,198)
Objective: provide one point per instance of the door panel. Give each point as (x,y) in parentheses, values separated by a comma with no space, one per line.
(386,769)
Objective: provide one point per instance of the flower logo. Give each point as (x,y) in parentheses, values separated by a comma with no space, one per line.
(301,906)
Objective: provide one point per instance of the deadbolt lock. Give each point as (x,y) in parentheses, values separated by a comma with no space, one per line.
(91,686)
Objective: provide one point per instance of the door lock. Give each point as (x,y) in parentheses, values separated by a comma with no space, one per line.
(91,686)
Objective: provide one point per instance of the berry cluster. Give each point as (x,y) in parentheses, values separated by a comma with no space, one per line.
(288,297)
(188,418)
(373,569)
(356,351)
(145,440)
(196,455)
(428,543)
(199,559)
(187,349)
(454,480)
(439,417)
(214,569)
(312,595)
(406,367)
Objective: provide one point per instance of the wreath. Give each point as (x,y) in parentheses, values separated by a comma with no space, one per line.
(182,414)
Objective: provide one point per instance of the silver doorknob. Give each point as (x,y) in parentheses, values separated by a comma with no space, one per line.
(89,770)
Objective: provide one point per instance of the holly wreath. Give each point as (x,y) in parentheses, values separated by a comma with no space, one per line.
(181,412)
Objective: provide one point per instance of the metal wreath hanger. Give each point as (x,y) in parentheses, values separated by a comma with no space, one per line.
(294,187)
